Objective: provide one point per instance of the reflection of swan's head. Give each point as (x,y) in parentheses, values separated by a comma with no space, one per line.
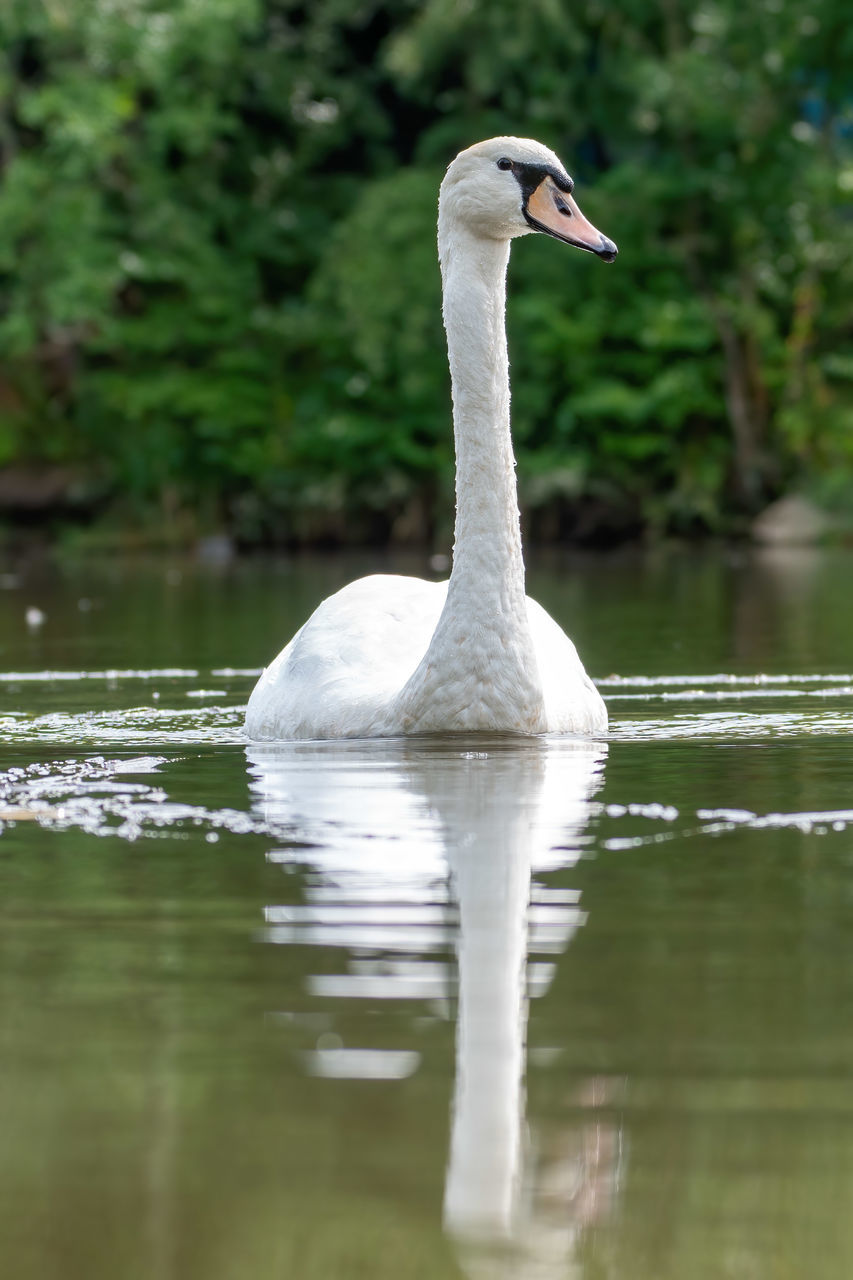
(508,187)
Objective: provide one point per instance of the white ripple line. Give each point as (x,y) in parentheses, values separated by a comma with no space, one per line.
(117,673)
(729,695)
(720,677)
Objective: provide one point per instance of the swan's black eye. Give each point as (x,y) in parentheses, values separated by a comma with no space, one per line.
(504,163)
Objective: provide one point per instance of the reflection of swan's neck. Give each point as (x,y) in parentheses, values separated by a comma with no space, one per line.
(496,812)
(492,881)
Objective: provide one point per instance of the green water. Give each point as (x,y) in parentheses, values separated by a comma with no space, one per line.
(486,1008)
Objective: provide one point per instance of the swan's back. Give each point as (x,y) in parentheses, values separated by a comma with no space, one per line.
(340,672)
(572,702)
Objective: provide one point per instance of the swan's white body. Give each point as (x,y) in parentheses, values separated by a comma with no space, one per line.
(389,655)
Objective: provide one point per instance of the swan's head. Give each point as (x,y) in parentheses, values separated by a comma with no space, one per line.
(508,187)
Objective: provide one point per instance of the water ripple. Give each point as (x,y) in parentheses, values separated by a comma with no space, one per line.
(719,678)
(92,795)
(130,726)
(735,725)
(118,673)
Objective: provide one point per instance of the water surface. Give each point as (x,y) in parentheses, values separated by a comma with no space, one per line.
(443,1007)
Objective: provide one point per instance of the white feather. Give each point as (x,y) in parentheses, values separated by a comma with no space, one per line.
(389,655)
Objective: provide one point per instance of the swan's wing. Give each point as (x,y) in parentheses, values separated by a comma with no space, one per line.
(339,672)
(572,702)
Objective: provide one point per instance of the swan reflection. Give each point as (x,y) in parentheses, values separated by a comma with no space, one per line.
(420,847)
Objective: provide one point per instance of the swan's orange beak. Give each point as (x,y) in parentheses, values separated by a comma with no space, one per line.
(555,212)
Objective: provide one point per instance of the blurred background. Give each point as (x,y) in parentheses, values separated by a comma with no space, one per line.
(220,316)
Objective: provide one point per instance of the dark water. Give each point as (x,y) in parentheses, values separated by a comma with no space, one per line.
(438,1008)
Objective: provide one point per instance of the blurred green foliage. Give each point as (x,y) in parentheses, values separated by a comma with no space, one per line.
(220,299)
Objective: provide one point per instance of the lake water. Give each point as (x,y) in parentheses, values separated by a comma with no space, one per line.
(430,1008)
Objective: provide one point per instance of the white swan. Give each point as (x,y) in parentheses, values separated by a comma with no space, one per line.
(389,655)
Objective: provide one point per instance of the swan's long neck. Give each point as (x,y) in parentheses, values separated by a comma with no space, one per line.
(488,570)
(479,671)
